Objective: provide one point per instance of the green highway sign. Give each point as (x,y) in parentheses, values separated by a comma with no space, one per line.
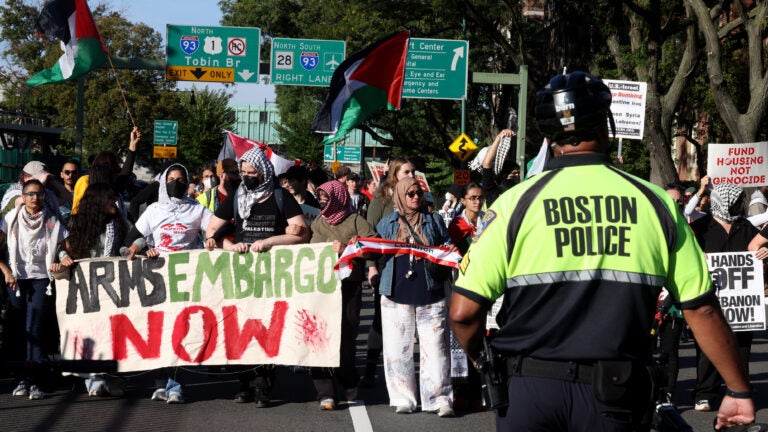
(436,69)
(343,154)
(305,62)
(329,153)
(212,54)
(166,132)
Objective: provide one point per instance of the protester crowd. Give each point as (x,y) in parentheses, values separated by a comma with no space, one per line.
(243,206)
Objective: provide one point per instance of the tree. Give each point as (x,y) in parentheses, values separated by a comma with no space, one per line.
(201,127)
(744,23)
(661,34)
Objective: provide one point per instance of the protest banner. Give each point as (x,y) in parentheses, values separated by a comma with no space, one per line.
(628,107)
(740,164)
(198,307)
(739,277)
(378,169)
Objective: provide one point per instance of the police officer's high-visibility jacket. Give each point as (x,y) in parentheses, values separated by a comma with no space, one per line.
(580,253)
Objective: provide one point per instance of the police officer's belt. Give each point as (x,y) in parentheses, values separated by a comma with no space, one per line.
(554,369)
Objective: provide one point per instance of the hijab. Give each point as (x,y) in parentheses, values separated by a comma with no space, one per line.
(169,203)
(725,198)
(246,198)
(413,217)
(338,207)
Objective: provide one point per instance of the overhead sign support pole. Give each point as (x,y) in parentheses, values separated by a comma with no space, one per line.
(520,79)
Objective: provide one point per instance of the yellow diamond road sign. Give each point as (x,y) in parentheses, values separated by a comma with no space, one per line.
(463,147)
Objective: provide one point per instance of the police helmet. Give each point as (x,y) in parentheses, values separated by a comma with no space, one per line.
(573,108)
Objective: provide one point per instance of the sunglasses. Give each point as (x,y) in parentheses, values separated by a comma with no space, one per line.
(68,172)
(412,194)
(34,194)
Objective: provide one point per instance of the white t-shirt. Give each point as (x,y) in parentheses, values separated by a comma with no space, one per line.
(174,230)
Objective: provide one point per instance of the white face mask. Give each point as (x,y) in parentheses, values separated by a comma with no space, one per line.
(448,196)
(208,183)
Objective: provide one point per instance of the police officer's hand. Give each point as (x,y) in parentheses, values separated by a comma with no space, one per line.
(735,412)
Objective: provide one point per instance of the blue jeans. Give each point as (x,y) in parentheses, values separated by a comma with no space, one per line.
(37,310)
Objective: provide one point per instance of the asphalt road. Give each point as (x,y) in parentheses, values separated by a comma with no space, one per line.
(209,404)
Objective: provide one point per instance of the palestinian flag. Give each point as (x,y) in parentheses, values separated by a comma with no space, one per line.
(363,84)
(235,145)
(71,22)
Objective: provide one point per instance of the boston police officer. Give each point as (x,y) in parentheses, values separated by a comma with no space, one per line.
(580,253)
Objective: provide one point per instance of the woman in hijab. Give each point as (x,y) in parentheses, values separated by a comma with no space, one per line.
(381,205)
(175,222)
(725,229)
(408,291)
(32,232)
(338,224)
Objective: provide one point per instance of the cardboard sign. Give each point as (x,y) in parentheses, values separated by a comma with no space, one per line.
(197,307)
(739,277)
(740,164)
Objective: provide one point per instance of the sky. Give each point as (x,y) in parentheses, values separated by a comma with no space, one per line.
(158,13)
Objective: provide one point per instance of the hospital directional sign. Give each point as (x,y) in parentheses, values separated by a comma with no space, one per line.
(343,154)
(305,62)
(212,54)
(436,69)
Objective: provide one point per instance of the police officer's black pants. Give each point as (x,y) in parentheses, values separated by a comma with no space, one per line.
(545,405)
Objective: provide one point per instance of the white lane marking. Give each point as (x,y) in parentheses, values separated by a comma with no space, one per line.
(360,420)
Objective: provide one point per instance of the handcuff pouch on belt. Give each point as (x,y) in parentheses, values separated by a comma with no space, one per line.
(611,379)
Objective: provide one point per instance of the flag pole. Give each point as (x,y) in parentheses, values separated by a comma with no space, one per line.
(119,87)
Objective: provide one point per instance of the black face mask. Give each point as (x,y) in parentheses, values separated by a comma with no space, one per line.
(251,182)
(323,204)
(176,189)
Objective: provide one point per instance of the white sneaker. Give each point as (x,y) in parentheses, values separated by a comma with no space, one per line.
(175,398)
(445,411)
(35,393)
(403,409)
(327,404)
(159,395)
(702,405)
(21,389)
